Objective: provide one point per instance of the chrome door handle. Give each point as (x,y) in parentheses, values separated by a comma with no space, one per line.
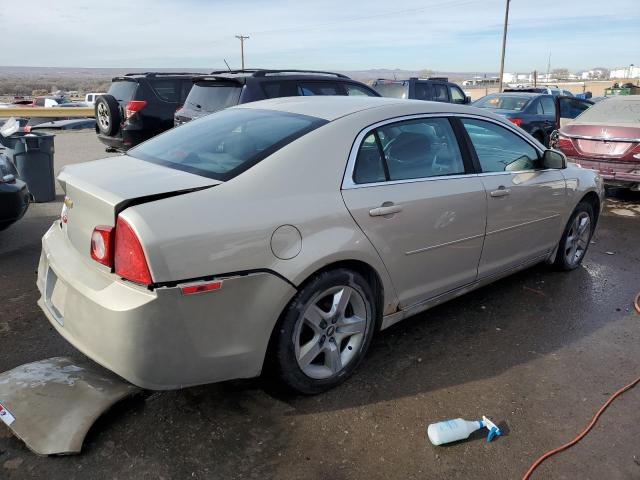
(501,192)
(384,210)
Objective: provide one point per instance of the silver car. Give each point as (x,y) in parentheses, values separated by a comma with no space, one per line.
(280,236)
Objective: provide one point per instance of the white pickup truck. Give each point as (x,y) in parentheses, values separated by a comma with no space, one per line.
(90,98)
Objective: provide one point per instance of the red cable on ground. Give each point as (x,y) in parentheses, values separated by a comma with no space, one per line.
(537,463)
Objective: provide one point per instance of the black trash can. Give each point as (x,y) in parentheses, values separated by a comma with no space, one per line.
(33,157)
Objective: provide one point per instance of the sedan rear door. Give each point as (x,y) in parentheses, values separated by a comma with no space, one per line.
(411,189)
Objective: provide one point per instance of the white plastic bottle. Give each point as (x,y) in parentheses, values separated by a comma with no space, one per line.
(459,429)
(452,430)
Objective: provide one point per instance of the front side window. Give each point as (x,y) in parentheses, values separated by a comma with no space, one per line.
(225,144)
(457,96)
(498,149)
(411,149)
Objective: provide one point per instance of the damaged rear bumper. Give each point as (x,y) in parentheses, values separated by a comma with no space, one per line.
(51,404)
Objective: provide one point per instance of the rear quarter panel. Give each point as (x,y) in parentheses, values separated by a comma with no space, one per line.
(228,228)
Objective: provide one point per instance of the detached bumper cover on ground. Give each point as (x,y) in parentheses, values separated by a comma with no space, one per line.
(51,404)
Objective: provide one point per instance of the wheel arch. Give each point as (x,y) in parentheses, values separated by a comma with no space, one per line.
(592,198)
(363,268)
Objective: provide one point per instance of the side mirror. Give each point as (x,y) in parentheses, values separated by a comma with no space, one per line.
(467,100)
(554,159)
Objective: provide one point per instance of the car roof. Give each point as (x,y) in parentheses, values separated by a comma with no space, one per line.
(333,107)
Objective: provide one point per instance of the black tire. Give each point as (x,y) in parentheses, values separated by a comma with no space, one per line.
(284,363)
(107,111)
(564,258)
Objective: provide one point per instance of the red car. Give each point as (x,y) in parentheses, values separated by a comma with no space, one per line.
(606,138)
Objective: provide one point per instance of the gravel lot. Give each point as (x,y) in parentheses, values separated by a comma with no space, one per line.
(539,352)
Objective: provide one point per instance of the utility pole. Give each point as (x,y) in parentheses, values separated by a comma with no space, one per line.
(549,66)
(242,38)
(504,43)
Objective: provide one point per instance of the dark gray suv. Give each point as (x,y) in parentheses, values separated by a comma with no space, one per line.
(435,89)
(223,89)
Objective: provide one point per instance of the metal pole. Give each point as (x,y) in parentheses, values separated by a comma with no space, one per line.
(504,43)
(242,38)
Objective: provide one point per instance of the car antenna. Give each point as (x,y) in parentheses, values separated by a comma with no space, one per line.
(225,62)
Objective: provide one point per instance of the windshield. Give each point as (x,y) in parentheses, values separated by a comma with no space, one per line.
(393,90)
(614,110)
(503,102)
(211,97)
(225,144)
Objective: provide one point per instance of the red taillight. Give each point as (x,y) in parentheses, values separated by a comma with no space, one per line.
(129,260)
(564,143)
(102,245)
(134,106)
(516,121)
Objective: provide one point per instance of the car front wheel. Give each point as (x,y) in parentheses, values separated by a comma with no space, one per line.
(576,237)
(325,331)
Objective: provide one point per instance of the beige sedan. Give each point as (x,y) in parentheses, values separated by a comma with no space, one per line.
(280,236)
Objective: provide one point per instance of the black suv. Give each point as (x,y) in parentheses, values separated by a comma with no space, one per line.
(223,89)
(139,106)
(436,89)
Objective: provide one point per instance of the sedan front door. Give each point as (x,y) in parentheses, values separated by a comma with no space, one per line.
(415,196)
(524,200)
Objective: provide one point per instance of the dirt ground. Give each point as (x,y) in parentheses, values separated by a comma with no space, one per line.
(539,352)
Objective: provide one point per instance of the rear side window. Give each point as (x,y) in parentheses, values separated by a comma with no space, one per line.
(123,91)
(548,106)
(407,150)
(318,88)
(440,92)
(166,90)
(213,96)
(499,149)
(392,90)
(422,91)
(276,89)
(225,144)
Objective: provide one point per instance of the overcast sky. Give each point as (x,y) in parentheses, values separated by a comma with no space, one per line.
(442,35)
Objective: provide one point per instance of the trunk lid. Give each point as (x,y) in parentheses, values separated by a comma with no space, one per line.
(606,142)
(97,191)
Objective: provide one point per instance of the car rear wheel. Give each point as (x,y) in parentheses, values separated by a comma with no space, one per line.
(107,112)
(576,237)
(325,331)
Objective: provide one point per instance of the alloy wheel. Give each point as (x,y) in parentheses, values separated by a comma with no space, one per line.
(578,238)
(331,331)
(103,116)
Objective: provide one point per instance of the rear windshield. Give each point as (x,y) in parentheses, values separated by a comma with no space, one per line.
(123,91)
(225,144)
(613,110)
(503,102)
(212,97)
(393,90)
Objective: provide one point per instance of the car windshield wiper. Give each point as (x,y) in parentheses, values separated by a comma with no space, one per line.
(199,107)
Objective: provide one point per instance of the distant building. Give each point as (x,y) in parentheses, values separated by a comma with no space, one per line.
(625,72)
